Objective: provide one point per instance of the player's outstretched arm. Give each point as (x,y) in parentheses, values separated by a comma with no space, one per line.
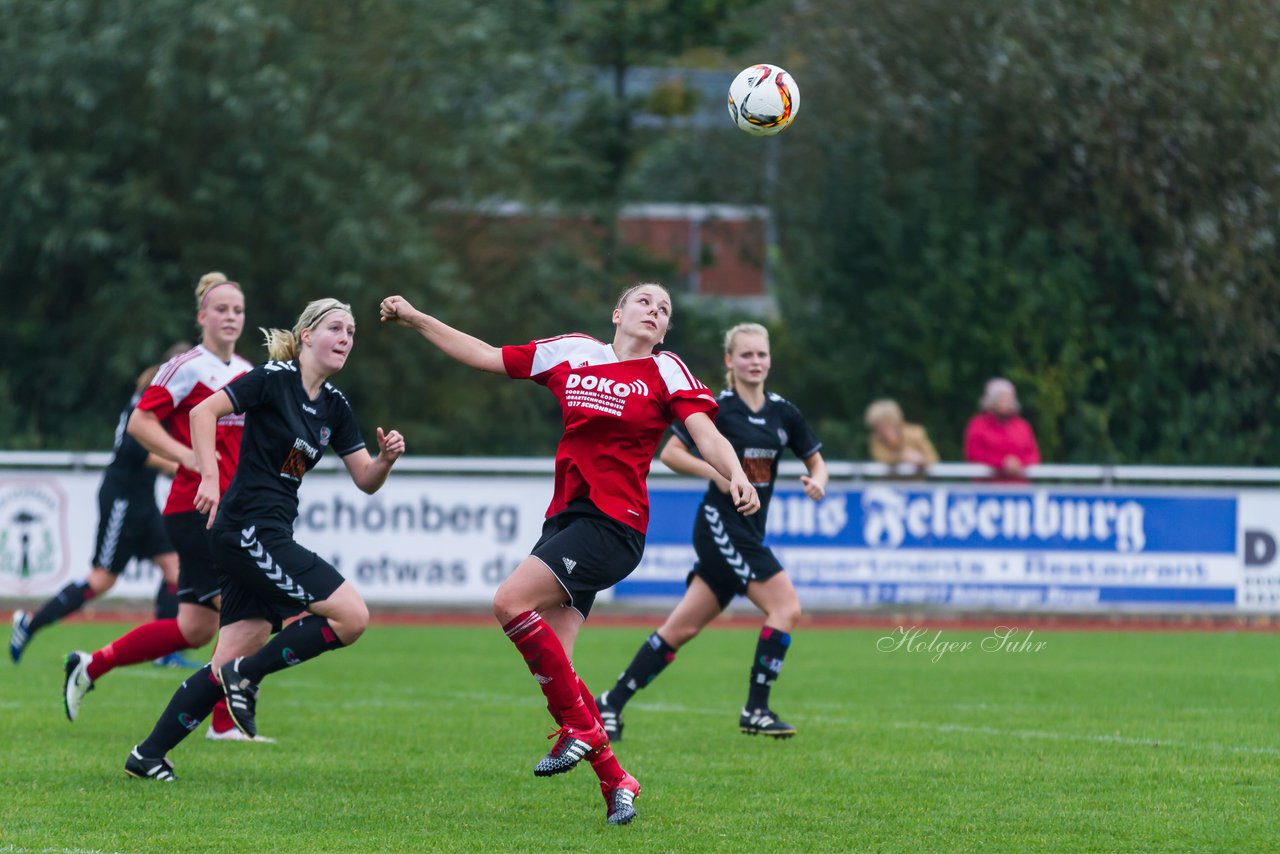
(718,451)
(454,343)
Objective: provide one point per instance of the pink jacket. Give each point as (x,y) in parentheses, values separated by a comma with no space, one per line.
(988,439)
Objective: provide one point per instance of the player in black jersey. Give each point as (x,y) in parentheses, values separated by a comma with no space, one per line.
(732,556)
(292,415)
(129,526)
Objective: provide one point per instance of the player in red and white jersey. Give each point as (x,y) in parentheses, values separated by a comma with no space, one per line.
(160,423)
(617,400)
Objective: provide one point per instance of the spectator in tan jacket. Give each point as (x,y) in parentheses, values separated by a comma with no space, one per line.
(896,442)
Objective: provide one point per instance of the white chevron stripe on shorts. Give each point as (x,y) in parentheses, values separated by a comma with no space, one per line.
(111,538)
(272,570)
(723,541)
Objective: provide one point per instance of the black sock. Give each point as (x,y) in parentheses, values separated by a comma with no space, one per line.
(69,600)
(770,650)
(296,643)
(166,601)
(190,704)
(651,659)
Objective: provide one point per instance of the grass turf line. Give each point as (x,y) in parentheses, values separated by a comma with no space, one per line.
(422,739)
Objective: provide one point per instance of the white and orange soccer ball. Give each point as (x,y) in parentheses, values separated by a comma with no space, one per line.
(763,100)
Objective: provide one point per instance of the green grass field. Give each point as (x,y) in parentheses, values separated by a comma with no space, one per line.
(424,739)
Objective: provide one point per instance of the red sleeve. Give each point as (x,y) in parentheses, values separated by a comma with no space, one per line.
(686,403)
(518,359)
(156,399)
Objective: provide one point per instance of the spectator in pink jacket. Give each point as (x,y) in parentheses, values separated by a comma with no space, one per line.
(998,436)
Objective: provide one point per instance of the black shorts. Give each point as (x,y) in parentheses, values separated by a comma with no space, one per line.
(197,576)
(128,528)
(588,552)
(727,560)
(266,575)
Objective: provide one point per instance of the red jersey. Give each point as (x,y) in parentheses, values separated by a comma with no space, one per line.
(614,416)
(179,385)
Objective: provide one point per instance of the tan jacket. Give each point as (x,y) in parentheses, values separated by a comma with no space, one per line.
(914,438)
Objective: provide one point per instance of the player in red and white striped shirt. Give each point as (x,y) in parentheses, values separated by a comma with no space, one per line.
(616,400)
(160,423)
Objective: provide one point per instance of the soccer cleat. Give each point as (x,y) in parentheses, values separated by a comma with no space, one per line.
(20,636)
(619,799)
(234,734)
(143,768)
(242,696)
(177,659)
(77,682)
(570,748)
(764,722)
(610,717)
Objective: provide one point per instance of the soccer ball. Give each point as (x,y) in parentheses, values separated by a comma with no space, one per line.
(763,100)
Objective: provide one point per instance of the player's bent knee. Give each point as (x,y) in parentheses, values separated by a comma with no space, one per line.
(197,635)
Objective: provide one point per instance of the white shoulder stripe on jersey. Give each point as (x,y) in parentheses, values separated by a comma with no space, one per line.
(675,374)
(168,368)
(574,349)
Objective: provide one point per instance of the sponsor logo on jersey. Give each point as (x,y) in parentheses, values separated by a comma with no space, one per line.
(310,410)
(301,445)
(601,393)
(756,420)
(569,564)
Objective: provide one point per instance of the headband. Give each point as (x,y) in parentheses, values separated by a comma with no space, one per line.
(204,299)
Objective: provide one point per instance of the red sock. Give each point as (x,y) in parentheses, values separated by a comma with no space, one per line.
(544,655)
(147,641)
(221,717)
(589,701)
(606,766)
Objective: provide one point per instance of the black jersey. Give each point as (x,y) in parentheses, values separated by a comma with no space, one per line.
(758,438)
(285,435)
(128,475)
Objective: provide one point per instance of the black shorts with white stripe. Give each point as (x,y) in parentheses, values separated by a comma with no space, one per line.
(728,559)
(588,552)
(128,528)
(266,575)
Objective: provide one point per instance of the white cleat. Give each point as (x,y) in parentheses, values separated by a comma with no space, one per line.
(234,734)
(77,683)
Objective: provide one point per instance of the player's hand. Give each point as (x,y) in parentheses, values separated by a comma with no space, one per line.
(813,489)
(396,309)
(391,445)
(208,495)
(744,496)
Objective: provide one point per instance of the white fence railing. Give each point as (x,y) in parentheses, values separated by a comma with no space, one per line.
(448,530)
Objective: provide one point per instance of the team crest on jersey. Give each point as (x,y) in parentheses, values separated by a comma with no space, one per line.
(325,433)
(33,534)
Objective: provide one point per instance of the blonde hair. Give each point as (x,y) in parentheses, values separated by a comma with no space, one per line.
(883,411)
(731,336)
(283,344)
(207,283)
